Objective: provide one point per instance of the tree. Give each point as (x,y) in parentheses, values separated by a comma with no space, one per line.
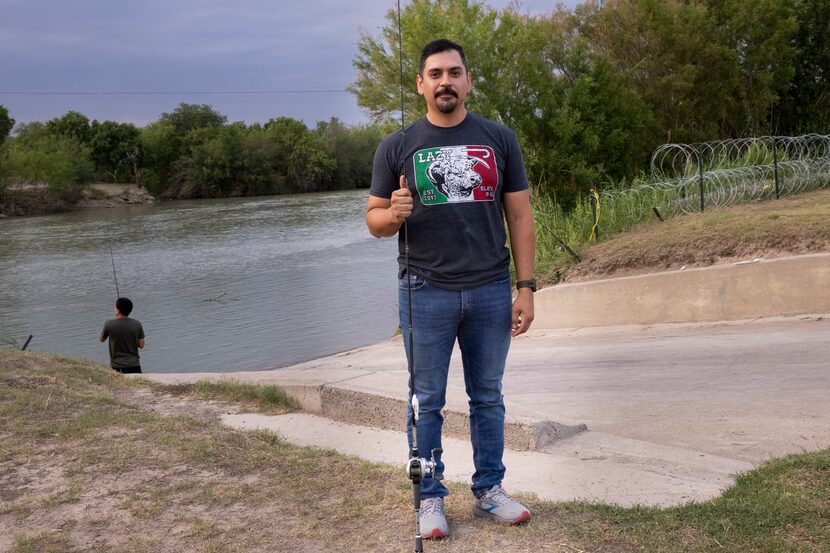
(377,88)
(115,148)
(217,163)
(579,120)
(73,125)
(301,155)
(670,53)
(260,175)
(576,117)
(760,33)
(352,149)
(38,156)
(805,105)
(160,150)
(187,117)
(709,69)
(6,124)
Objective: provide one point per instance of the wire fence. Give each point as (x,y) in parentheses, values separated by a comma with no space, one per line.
(688,178)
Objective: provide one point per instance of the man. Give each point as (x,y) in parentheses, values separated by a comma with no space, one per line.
(126,337)
(469,177)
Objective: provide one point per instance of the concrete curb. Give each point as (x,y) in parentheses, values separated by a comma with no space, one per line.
(353,387)
(745,290)
(387,413)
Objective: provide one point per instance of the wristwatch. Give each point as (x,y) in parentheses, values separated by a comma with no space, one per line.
(526,284)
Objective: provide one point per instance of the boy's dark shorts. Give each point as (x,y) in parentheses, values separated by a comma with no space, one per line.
(127,370)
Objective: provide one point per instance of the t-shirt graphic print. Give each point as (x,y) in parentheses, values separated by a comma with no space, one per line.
(452,174)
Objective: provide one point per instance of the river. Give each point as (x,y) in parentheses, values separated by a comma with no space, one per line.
(219,285)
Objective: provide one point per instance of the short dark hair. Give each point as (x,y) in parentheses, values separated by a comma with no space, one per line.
(124,305)
(438,46)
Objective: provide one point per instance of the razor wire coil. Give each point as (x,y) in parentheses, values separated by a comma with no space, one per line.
(725,172)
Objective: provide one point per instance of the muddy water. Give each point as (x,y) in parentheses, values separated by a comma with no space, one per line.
(219,285)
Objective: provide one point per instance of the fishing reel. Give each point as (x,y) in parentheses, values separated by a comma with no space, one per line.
(419,468)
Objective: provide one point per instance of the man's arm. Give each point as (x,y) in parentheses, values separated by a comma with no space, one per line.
(141,343)
(522,232)
(384,217)
(104,334)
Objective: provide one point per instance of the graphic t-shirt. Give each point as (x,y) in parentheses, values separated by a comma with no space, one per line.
(457,176)
(123,335)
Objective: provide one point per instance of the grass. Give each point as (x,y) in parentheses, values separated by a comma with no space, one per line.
(263,398)
(89,465)
(632,238)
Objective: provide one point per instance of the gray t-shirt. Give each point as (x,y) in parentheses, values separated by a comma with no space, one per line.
(123,335)
(458,176)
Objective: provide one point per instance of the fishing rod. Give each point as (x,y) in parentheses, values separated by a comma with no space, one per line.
(418,467)
(112,258)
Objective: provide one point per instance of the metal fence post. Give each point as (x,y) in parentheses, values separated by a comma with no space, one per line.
(775,167)
(700,172)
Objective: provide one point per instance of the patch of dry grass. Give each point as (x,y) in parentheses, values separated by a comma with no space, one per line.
(774,228)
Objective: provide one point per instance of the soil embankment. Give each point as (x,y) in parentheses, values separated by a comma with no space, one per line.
(30,200)
(793,225)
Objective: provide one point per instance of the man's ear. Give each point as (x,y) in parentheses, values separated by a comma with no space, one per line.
(420,82)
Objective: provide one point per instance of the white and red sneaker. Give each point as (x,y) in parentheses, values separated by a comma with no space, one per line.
(433,522)
(496,504)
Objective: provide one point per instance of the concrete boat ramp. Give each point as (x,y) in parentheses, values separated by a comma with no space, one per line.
(657,412)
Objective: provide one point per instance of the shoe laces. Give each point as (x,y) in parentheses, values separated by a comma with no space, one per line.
(432,505)
(497,494)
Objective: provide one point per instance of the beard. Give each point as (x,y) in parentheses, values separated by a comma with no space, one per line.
(449,105)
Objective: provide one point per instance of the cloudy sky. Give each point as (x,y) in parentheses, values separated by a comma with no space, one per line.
(190,47)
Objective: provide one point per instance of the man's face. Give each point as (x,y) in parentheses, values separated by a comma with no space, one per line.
(444,83)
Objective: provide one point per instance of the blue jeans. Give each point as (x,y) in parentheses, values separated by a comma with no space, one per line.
(480,320)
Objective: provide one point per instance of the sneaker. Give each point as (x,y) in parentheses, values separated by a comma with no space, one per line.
(433,521)
(496,504)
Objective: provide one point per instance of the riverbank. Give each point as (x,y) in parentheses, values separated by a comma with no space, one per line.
(92,460)
(114,195)
(32,200)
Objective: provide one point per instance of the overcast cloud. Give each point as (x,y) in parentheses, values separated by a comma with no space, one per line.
(187,46)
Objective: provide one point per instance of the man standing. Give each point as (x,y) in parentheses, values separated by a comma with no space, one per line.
(469,177)
(126,336)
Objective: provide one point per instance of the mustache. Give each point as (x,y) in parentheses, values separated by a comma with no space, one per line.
(446,90)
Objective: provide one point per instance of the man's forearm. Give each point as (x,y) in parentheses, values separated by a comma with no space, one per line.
(520,226)
(523,246)
(381,222)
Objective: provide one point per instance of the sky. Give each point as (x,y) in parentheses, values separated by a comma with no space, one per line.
(196,49)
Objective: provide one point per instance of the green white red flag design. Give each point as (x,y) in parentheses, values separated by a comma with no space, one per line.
(453,174)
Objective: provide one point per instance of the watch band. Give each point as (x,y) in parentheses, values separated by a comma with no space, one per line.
(526,284)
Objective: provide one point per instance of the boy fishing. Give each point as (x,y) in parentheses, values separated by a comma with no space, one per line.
(126,337)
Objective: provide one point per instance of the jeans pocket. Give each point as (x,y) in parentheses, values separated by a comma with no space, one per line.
(415,282)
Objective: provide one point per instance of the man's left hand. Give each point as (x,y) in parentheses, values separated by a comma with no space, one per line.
(522,312)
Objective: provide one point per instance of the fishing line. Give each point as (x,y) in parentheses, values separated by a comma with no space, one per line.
(406,231)
(414,466)
(112,258)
